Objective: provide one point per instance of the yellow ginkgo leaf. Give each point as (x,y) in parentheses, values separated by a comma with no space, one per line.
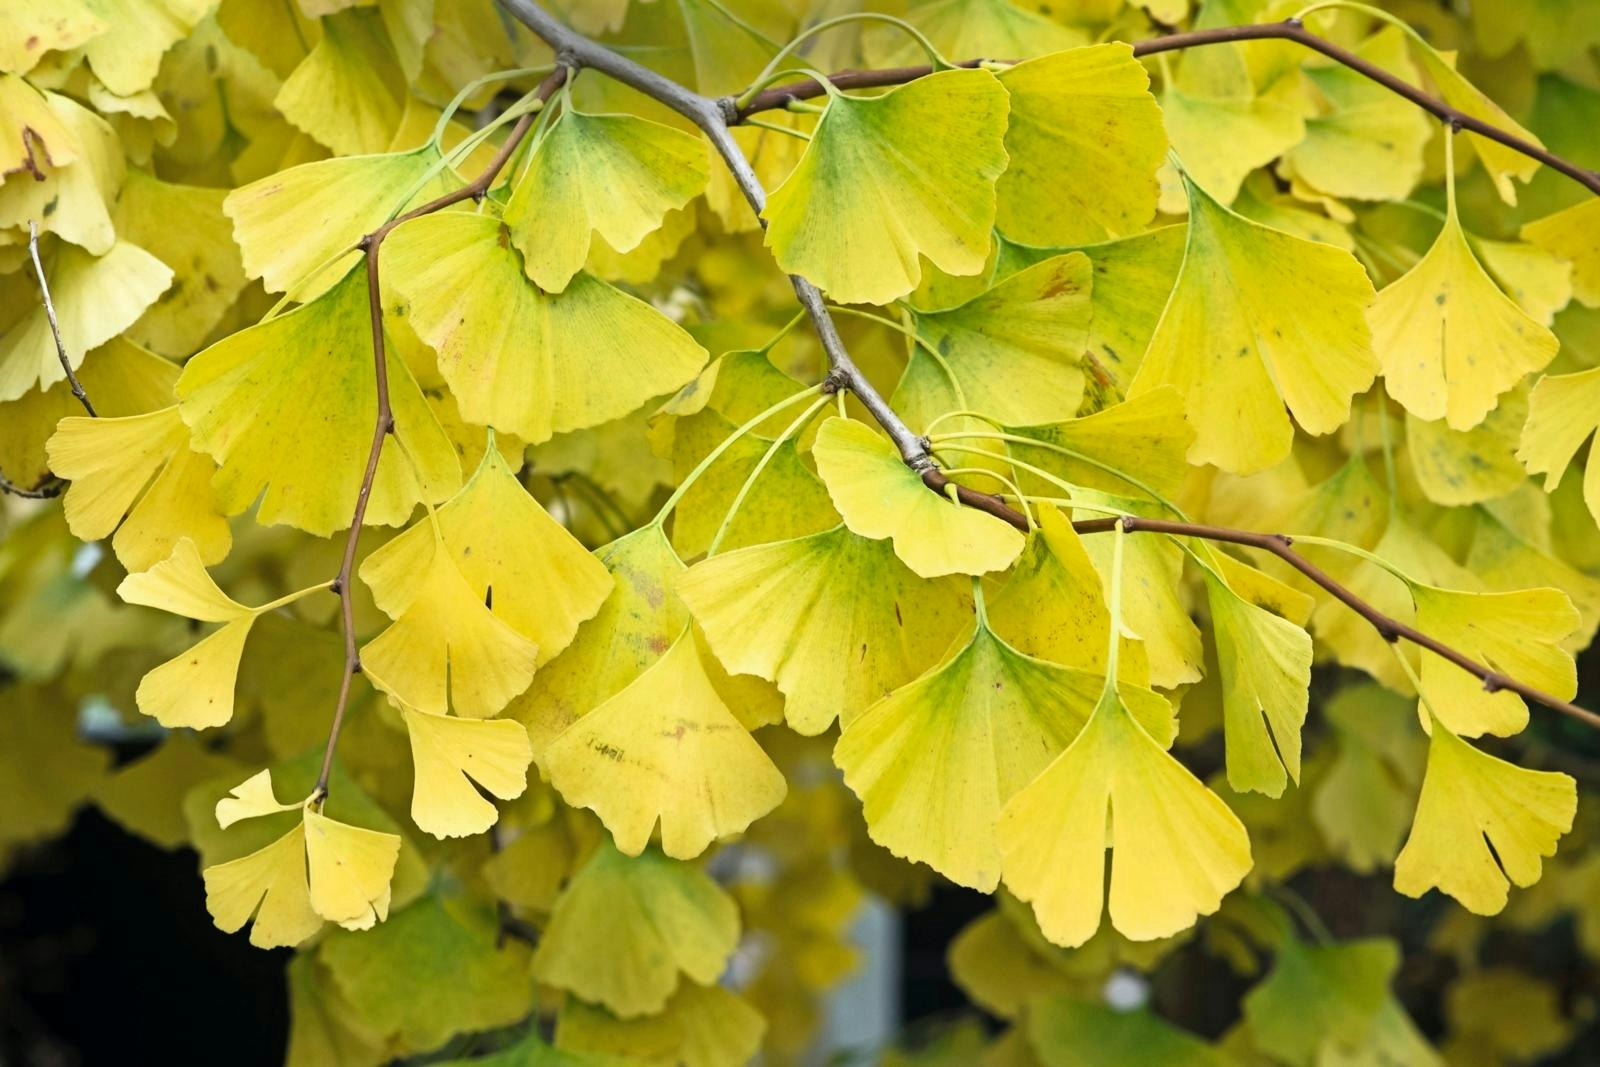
(1222,127)
(1265,664)
(880,497)
(292,226)
(268,886)
(286,408)
(666,748)
(96,298)
(1519,634)
(544,583)
(137,475)
(1573,234)
(702,1025)
(970,27)
(1368,142)
(1502,163)
(1451,342)
(934,761)
(35,27)
(446,752)
(1564,410)
(836,620)
(637,622)
(1146,438)
(1014,352)
(890,178)
(1460,467)
(251,799)
(347,92)
(1259,320)
(77,163)
(184,227)
(611,176)
(1471,803)
(1052,606)
(518,358)
(350,869)
(195,688)
(137,33)
(1085,140)
(445,647)
(1176,847)
(626,927)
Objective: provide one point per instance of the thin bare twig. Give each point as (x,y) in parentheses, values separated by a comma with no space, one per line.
(1289,30)
(714,117)
(55,328)
(384,424)
(48,489)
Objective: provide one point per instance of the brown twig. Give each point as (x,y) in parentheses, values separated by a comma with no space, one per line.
(1280,545)
(48,489)
(384,425)
(1290,30)
(714,117)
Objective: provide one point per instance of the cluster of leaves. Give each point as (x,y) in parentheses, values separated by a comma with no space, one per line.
(723,659)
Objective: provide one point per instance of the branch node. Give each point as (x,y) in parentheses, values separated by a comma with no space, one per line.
(337,588)
(835,381)
(1294,22)
(365,244)
(388,424)
(1387,631)
(355,665)
(728,108)
(1493,683)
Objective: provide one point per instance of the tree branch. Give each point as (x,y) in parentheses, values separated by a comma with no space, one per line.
(55,328)
(1290,30)
(713,117)
(384,425)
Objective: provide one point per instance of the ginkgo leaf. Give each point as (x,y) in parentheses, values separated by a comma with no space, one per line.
(287,406)
(626,927)
(1223,128)
(890,178)
(1450,341)
(1471,803)
(137,475)
(473,983)
(1519,634)
(1368,143)
(1460,467)
(1320,997)
(1259,320)
(1051,606)
(1085,140)
(291,226)
(1015,351)
(611,176)
(1060,1027)
(445,647)
(1564,410)
(1265,663)
(665,748)
(347,91)
(74,179)
(446,752)
(128,53)
(145,796)
(184,227)
(1502,163)
(702,1026)
(521,359)
(836,620)
(96,298)
(880,497)
(544,582)
(269,887)
(970,27)
(1573,234)
(36,27)
(251,799)
(1176,847)
(350,868)
(1364,799)
(195,688)
(1146,438)
(638,621)
(934,761)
